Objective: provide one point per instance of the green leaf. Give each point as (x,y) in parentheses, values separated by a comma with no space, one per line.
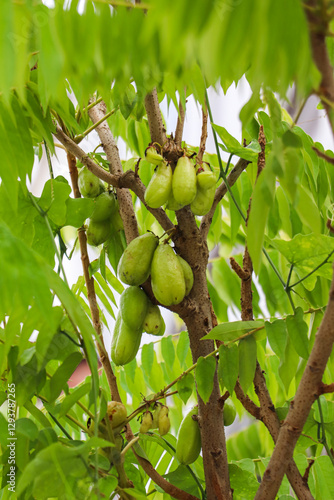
(288,365)
(244,483)
(53,200)
(62,374)
(228,366)
(233,330)
(182,478)
(306,252)
(182,348)
(297,330)
(37,414)
(27,428)
(247,362)
(277,336)
(72,398)
(185,387)
(327,409)
(262,200)
(231,145)
(323,475)
(77,211)
(168,351)
(204,374)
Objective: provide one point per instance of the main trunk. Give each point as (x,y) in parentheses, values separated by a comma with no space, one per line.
(198,318)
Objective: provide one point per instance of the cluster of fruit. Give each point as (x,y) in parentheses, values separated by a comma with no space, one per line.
(105,218)
(188,445)
(136,314)
(189,184)
(159,419)
(116,414)
(171,276)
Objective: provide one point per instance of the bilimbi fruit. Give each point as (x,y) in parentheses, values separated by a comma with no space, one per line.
(116,413)
(125,342)
(152,156)
(188,445)
(160,186)
(167,277)
(146,423)
(184,181)
(89,185)
(135,264)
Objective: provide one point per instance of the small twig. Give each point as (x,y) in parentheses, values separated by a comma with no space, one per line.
(157,129)
(179,125)
(204,134)
(322,155)
(243,275)
(326,388)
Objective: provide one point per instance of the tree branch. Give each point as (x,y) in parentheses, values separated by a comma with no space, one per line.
(91,290)
(318,20)
(125,180)
(109,145)
(179,125)
(204,134)
(157,129)
(300,407)
(220,193)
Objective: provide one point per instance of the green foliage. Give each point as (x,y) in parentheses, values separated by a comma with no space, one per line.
(55,60)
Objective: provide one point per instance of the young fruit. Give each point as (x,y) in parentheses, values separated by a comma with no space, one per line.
(146,423)
(156,413)
(160,186)
(205,177)
(105,206)
(116,413)
(133,307)
(163,421)
(98,232)
(172,204)
(153,156)
(184,181)
(153,320)
(167,276)
(229,413)
(188,445)
(89,185)
(116,221)
(135,264)
(187,273)
(125,342)
(203,201)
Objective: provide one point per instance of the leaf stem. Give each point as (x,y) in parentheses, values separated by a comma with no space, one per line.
(313,271)
(323,439)
(80,137)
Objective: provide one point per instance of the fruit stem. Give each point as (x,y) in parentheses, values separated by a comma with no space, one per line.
(80,137)
(129,445)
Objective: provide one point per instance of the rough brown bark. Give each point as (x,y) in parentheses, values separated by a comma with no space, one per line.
(318,20)
(198,318)
(157,129)
(115,166)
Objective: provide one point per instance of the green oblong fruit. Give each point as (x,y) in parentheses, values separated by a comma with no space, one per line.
(172,204)
(153,156)
(229,413)
(133,307)
(205,178)
(187,273)
(160,186)
(203,201)
(116,412)
(135,264)
(98,232)
(89,185)
(125,342)
(153,320)
(184,181)
(167,276)
(105,206)
(188,445)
